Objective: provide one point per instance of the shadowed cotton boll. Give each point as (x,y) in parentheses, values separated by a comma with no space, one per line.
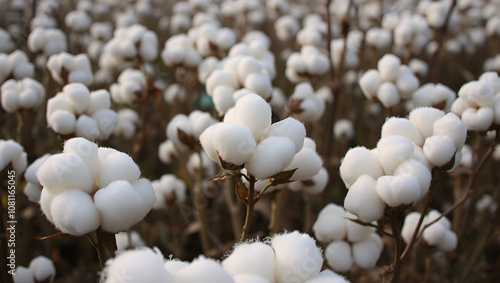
(24,94)
(343,129)
(363,201)
(251,258)
(330,225)
(315,185)
(128,240)
(41,269)
(33,189)
(439,150)
(286,27)
(47,41)
(129,267)
(369,83)
(339,256)
(168,187)
(174,265)
(388,94)
(451,126)
(66,68)
(308,163)
(327,276)
(367,252)
(304,104)
(129,87)
(297,256)
(290,128)
(359,161)
(435,95)
(203,269)
(128,119)
(418,170)
(249,278)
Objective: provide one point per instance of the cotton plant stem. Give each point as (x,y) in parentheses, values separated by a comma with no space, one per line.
(396,265)
(250,206)
(234,209)
(275,212)
(101,252)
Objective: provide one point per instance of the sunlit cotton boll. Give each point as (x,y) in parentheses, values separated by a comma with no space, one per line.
(366,253)
(392,150)
(308,163)
(363,201)
(359,161)
(251,258)
(24,94)
(398,190)
(297,256)
(290,128)
(339,256)
(130,267)
(439,150)
(388,66)
(388,94)
(369,83)
(418,170)
(253,112)
(423,119)
(402,127)
(203,269)
(272,155)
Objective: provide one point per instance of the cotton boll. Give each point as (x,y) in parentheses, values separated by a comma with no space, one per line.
(392,150)
(369,83)
(259,83)
(359,161)
(249,278)
(234,143)
(42,269)
(308,163)
(254,113)
(319,182)
(251,258)
(167,152)
(297,256)
(388,66)
(99,99)
(63,171)
(363,201)
(10,102)
(271,156)
(398,190)
(402,127)
(409,225)
(87,127)
(222,97)
(219,77)
(145,190)
(388,94)
(439,150)
(22,275)
(129,267)
(32,192)
(367,252)
(115,216)
(128,240)
(448,242)
(203,269)
(329,228)
(62,122)
(327,276)
(478,119)
(118,166)
(355,231)
(246,66)
(423,119)
(87,151)
(477,92)
(451,125)
(339,257)
(73,212)
(418,170)
(173,266)
(290,128)
(78,95)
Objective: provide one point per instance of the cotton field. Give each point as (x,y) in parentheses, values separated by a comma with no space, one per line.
(249,141)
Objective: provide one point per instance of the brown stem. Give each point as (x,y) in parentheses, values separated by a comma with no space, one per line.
(275,211)
(396,265)
(428,264)
(234,209)
(250,205)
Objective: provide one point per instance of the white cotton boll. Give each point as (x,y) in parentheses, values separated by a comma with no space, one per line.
(448,242)
(45,203)
(168,186)
(20,162)
(320,181)
(28,98)
(22,275)
(478,92)
(251,258)
(355,231)
(129,267)
(409,225)
(359,161)
(392,150)
(423,119)
(367,252)
(388,94)
(167,152)
(492,79)
(119,205)
(173,266)
(406,82)
(363,201)
(203,269)
(343,129)
(439,150)
(219,77)
(459,105)
(199,121)
(309,143)
(402,127)
(87,127)
(118,166)
(388,66)
(10,101)
(78,95)
(418,67)
(297,63)
(144,188)
(249,278)
(73,212)
(329,228)
(418,170)
(247,65)
(451,125)
(254,112)
(87,151)
(128,240)
(308,163)
(42,269)
(290,128)
(259,83)
(398,190)
(63,171)
(234,143)
(478,119)
(271,156)
(327,276)
(222,97)
(206,67)
(32,192)
(297,256)
(339,257)
(62,122)
(106,120)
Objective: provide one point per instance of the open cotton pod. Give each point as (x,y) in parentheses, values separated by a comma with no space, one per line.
(24,94)
(363,201)
(359,161)
(255,258)
(203,269)
(12,153)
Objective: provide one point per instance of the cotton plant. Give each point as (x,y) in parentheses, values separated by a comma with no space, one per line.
(12,153)
(33,189)
(211,40)
(304,104)
(486,204)
(100,33)
(76,110)
(419,67)
(478,102)
(21,95)
(314,186)
(40,269)
(78,21)
(379,38)
(185,131)
(128,123)
(286,27)
(128,241)
(15,65)
(46,42)
(434,95)
(66,68)
(347,49)
(314,31)
(390,83)
(412,32)
(169,191)
(86,188)
(438,234)
(310,62)
(129,87)
(174,92)
(179,51)
(343,130)
(398,171)
(348,243)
